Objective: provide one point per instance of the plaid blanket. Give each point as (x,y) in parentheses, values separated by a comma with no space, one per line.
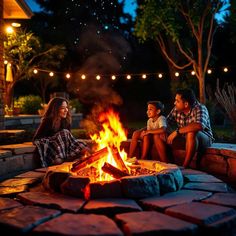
(62,145)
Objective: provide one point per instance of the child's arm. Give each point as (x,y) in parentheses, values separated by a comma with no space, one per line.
(154,131)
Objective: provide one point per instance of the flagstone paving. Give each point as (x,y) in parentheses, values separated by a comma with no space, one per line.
(204,205)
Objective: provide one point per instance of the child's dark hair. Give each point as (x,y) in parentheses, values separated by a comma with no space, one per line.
(159,105)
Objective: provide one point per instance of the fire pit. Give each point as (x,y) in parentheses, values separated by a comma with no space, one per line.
(163,178)
(109,173)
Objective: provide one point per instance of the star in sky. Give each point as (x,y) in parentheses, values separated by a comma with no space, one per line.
(130,6)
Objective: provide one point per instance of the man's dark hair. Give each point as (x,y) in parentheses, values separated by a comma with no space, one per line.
(159,105)
(187,95)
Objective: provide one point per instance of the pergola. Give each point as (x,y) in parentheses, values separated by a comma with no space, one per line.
(9,9)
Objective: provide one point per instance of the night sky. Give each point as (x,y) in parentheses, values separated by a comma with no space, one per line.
(130,6)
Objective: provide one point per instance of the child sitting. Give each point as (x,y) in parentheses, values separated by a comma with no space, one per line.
(155,130)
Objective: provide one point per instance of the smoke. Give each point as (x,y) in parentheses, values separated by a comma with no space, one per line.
(103,53)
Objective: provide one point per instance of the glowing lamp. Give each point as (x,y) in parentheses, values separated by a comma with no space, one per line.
(144,76)
(176,74)
(209,71)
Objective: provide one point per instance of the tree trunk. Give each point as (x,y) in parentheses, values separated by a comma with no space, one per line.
(9,94)
(202,92)
(2,77)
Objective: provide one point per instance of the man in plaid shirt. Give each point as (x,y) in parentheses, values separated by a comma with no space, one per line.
(192,123)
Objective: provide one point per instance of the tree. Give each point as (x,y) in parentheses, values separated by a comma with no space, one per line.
(184,31)
(25,51)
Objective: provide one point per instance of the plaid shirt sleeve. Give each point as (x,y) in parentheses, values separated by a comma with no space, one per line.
(201,115)
(171,118)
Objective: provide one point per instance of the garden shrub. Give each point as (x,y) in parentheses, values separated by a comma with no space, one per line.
(30,104)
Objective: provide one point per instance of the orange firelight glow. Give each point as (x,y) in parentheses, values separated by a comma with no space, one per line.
(111,135)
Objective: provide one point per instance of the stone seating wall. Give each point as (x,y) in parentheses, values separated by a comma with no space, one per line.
(218,160)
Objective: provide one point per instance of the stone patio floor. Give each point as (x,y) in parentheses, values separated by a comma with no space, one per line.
(205,205)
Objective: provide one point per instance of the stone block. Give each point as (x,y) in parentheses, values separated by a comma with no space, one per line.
(75,186)
(12,191)
(167,183)
(173,198)
(11,165)
(53,179)
(109,189)
(79,224)
(5,153)
(19,148)
(213,187)
(8,203)
(214,164)
(52,200)
(224,199)
(154,223)
(23,219)
(210,218)
(111,206)
(140,186)
(232,169)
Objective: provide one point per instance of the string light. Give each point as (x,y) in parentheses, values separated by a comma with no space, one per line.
(176,74)
(144,76)
(114,77)
(209,71)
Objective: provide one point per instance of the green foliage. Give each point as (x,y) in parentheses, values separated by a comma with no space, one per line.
(158,17)
(30,104)
(173,18)
(74,103)
(25,52)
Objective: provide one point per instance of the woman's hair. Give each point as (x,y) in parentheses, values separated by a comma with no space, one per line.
(159,105)
(187,95)
(52,112)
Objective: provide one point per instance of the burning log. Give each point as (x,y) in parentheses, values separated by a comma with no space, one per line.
(80,164)
(113,171)
(119,161)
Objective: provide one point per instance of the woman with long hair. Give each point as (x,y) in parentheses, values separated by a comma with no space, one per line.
(53,139)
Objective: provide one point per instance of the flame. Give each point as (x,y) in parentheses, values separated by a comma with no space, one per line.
(111,135)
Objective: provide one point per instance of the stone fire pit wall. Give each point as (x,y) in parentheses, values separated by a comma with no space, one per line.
(168,178)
